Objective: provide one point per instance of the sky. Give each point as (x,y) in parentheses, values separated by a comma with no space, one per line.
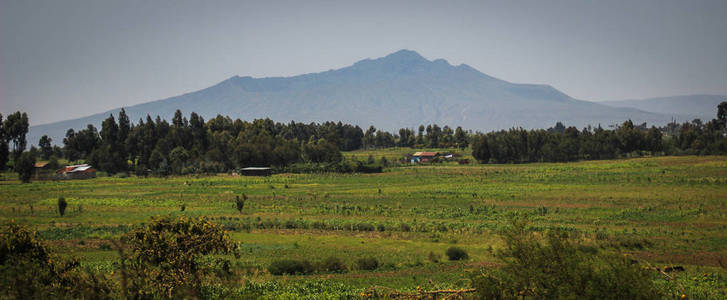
(67,59)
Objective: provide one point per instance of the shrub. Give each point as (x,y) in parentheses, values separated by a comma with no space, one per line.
(29,271)
(318,225)
(434,257)
(405,227)
(333,264)
(557,268)
(62,204)
(364,227)
(456,253)
(166,257)
(290,266)
(367,263)
(24,166)
(240,203)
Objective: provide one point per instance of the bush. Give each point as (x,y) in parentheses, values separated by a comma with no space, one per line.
(24,166)
(557,268)
(166,257)
(290,266)
(62,204)
(364,227)
(28,270)
(240,203)
(456,253)
(434,257)
(367,263)
(333,264)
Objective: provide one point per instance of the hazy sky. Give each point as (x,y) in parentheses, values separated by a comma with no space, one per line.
(64,59)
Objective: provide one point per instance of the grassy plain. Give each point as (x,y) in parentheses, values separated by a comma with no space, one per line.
(662,210)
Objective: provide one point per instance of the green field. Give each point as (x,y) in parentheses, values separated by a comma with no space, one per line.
(663,211)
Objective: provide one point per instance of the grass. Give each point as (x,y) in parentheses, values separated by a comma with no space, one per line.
(663,210)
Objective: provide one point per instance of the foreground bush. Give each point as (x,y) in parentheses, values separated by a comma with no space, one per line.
(558,269)
(167,257)
(290,267)
(367,263)
(29,271)
(333,265)
(455,253)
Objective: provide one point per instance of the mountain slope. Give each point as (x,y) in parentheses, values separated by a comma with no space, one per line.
(402,89)
(683,108)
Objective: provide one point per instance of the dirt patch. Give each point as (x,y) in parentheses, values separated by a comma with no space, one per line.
(78,243)
(700,258)
(414,271)
(684,225)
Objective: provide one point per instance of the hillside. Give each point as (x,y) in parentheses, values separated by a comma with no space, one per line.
(402,89)
(683,108)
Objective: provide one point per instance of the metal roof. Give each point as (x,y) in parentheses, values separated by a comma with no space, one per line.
(80,169)
(426,153)
(255,168)
(75,168)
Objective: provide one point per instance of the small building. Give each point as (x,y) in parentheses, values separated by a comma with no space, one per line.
(256,171)
(83,171)
(423,157)
(42,171)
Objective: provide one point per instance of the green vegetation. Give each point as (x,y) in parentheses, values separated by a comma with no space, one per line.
(367,263)
(559,269)
(24,166)
(387,233)
(456,253)
(166,258)
(62,204)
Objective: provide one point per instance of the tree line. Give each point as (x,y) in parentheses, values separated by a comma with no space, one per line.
(561,143)
(193,145)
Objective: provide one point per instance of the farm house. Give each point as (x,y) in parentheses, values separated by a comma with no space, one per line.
(422,157)
(83,171)
(41,170)
(256,171)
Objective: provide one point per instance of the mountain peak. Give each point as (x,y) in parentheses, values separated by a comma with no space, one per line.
(405,54)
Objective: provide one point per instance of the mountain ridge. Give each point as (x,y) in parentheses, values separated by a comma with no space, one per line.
(402,89)
(681,107)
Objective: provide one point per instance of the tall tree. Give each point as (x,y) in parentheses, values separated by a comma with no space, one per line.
(420,135)
(124,130)
(109,131)
(630,137)
(4,150)
(16,127)
(460,137)
(481,149)
(110,156)
(46,149)
(369,138)
(722,113)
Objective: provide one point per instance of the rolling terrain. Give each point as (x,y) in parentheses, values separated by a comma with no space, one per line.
(659,210)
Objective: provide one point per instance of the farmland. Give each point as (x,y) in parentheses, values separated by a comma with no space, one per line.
(659,210)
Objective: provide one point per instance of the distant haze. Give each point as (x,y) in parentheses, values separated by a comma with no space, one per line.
(62,60)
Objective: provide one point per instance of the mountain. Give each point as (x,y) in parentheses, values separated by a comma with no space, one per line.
(682,108)
(402,89)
